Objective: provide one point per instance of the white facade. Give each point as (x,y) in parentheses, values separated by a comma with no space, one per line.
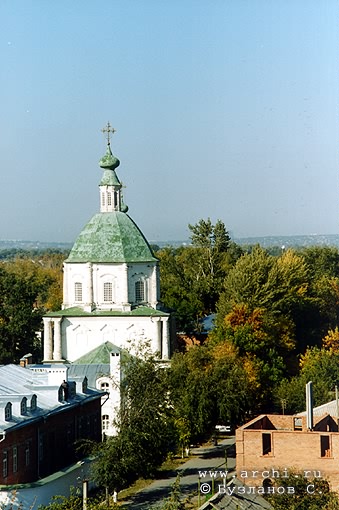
(111,292)
(94,286)
(69,338)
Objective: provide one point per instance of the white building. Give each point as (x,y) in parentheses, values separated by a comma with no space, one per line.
(111,286)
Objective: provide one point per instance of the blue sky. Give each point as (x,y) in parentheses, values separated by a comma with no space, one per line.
(225,109)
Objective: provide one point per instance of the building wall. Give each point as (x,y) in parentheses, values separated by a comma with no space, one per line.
(79,335)
(47,444)
(301,450)
(92,276)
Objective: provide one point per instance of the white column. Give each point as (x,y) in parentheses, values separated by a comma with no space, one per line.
(153,288)
(48,340)
(156,335)
(165,339)
(124,285)
(89,287)
(57,355)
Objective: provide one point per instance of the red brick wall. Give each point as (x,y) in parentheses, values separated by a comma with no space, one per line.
(290,449)
(51,441)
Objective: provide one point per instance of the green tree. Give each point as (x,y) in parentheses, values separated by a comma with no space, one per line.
(209,384)
(145,423)
(309,494)
(20,318)
(192,276)
(211,243)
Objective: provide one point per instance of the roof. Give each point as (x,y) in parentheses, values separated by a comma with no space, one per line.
(111,237)
(233,500)
(91,371)
(328,408)
(140,311)
(98,355)
(17,382)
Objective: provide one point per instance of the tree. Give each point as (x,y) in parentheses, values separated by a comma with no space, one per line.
(20,318)
(209,384)
(192,276)
(145,423)
(212,243)
(308,494)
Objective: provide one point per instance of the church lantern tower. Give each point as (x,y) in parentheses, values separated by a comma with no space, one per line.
(111,282)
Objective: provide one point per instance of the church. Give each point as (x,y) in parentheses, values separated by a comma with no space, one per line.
(111,290)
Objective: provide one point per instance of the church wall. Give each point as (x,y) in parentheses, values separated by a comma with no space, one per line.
(86,333)
(122,277)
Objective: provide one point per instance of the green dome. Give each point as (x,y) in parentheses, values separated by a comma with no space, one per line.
(111,237)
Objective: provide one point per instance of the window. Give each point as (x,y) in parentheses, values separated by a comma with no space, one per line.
(23,406)
(8,411)
(15,459)
(102,199)
(109,198)
(104,386)
(27,455)
(5,464)
(78,291)
(139,291)
(115,199)
(266,444)
(84,385)
(325,450)
(105,422)
(33,403)
(108,292)
(41,447)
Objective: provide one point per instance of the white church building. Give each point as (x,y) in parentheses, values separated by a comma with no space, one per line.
(111,287)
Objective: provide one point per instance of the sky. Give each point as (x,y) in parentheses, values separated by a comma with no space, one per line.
(223,109)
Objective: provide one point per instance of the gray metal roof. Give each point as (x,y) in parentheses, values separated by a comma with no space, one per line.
(233,500)
(17,382)
(92,372)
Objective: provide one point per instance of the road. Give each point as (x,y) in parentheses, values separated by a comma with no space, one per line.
(204,459)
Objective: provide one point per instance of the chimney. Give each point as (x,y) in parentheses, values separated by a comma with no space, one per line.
(26,360)
(309,405)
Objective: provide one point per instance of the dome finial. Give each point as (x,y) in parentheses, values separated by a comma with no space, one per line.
(109,161)
(107,130)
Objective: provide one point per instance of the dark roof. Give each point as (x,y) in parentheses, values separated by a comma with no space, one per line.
(235,501)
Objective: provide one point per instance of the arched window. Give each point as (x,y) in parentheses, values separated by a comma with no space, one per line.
(104,386)
(34,403)
(8,411)
(5,464)
(78,291)
(23,406)
(108,292)
(140,291)
(105,422)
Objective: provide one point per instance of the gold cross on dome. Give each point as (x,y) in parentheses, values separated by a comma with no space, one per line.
(107,130)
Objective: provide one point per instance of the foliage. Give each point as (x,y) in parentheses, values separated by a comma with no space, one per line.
(145,423)
(192,276)
(209,385)
(309,494)
(174,501)
(20,318)
(45,273)
(75,502)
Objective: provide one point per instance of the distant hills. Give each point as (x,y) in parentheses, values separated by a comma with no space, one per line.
(266,242)
(273,241)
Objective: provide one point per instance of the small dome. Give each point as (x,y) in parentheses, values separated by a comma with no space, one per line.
(109,160)
(111,237)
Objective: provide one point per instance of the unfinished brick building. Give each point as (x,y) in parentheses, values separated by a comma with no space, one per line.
(284,443)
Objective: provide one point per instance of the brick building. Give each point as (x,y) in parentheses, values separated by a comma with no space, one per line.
(283,443)
(42,417)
